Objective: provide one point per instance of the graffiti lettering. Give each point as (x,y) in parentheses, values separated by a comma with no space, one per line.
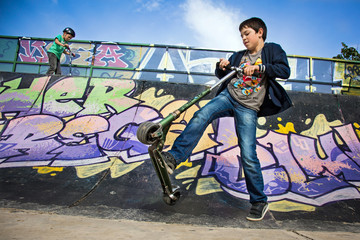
(78,121)
(33,51)
(109,56)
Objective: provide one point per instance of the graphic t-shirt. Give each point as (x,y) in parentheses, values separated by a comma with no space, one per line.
(249,91)
(57,49)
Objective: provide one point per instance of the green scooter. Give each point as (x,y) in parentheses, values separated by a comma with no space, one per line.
(154,134)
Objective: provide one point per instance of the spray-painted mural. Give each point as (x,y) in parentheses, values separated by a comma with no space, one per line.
(49,123)
(167,63)
(119,61)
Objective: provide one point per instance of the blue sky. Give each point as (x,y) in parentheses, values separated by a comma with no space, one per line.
(302,27)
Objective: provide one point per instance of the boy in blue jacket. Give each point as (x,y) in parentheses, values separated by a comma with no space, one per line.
(245,97)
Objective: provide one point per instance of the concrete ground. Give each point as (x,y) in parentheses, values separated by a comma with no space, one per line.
(29,224)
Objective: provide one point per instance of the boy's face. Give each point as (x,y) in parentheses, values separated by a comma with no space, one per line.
(67,37)
(252,40)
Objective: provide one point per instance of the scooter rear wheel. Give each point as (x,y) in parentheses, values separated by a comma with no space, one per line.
(173,199)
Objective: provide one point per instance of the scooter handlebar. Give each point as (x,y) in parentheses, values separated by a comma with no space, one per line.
(237,69)
(231,68)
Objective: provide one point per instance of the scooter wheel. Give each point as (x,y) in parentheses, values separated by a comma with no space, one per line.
(171,200)
(144,132)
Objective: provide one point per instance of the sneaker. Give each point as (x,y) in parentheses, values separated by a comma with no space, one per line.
(170,162)
(258,211)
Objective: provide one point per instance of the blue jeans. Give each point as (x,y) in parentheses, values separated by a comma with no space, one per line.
(224,105)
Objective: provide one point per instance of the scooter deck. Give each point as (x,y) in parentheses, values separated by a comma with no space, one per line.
(170,193)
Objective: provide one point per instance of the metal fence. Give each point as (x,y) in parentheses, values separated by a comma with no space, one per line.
(177,64)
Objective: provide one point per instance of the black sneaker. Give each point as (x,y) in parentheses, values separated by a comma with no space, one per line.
(169,161)
(258,211)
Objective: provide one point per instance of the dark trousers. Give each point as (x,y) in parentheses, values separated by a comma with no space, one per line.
(54,64)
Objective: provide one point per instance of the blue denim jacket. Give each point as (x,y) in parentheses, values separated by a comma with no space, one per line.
(275,60)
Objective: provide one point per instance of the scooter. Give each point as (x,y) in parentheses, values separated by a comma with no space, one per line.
(154,134)
(71,55)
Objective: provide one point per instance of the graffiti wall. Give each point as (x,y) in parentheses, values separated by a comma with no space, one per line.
(112,60)
(177,64)
(310,154)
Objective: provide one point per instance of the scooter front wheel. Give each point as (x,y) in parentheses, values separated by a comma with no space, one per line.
(144,132)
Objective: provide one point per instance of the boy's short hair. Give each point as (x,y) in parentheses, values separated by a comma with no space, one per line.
(254,23)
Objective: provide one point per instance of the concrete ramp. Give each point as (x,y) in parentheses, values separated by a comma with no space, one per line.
(68,144)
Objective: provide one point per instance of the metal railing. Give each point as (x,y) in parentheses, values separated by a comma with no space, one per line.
(180,64)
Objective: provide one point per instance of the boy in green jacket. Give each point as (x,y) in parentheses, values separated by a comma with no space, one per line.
(60,44)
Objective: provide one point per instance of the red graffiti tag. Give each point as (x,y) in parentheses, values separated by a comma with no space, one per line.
(33,51)
(109,56)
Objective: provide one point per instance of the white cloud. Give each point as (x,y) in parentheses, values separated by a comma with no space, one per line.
(214,24)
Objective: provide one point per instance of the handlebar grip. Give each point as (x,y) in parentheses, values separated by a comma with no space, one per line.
(228,67)
(231,68)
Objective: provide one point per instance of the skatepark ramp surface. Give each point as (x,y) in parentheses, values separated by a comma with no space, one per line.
(68,145)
